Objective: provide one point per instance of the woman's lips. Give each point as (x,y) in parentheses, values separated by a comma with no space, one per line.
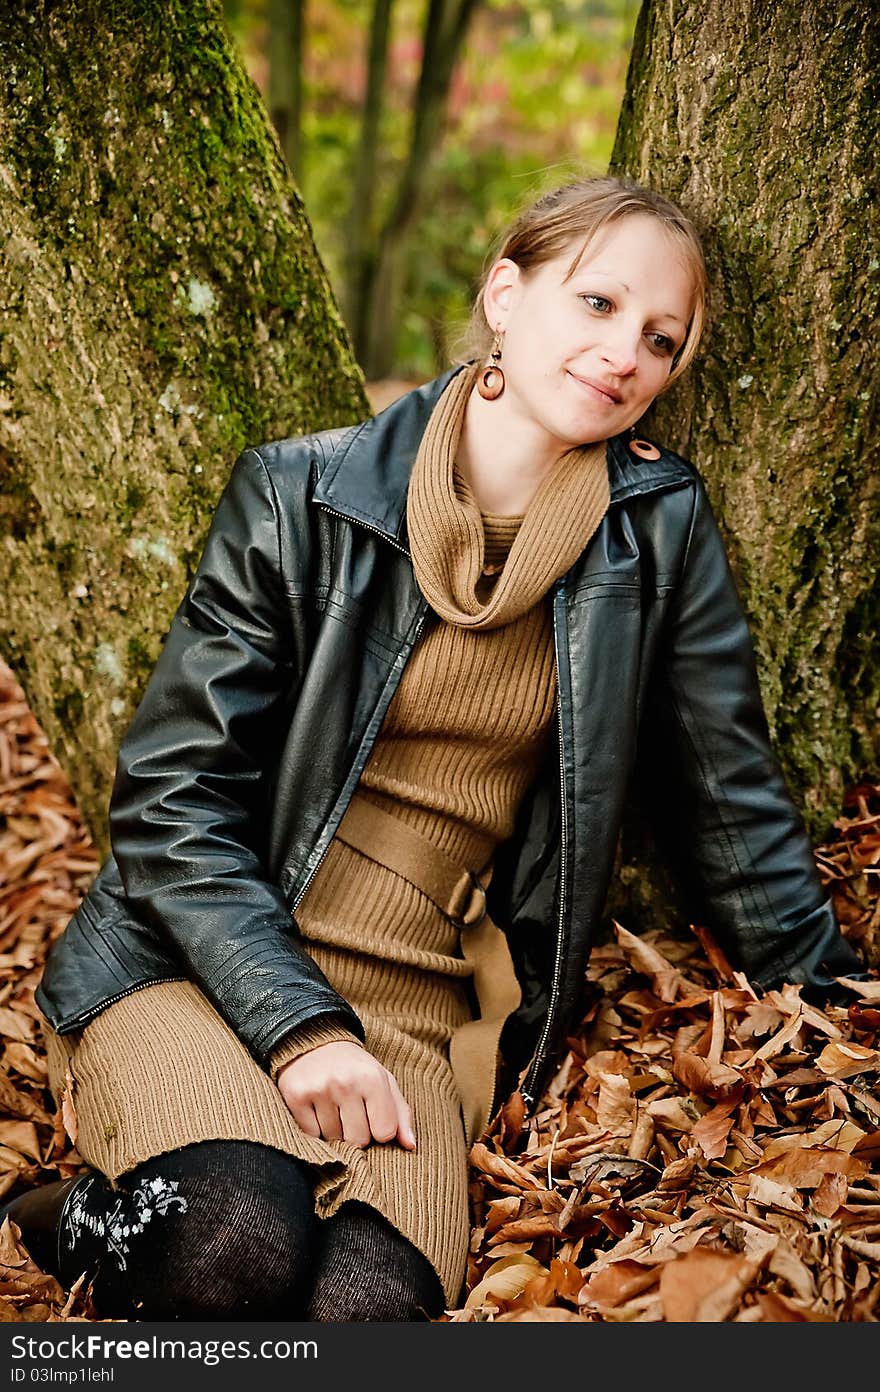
(594,392)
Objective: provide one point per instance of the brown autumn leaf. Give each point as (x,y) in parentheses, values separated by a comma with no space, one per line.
(527,1229)
(865,1018)
(712,1130)
(781,1309)
(616,1105)
(673,1114)
(21,1136)
(512,1119)
(501,1211)
(713,953)
(838,1133)
(678,1174)
(804,1167)
(841,1059)
(26,1061)
(868,990)
(831,1193)
(868,1148)
(68,1110)
(666,979)
(607,1168)
(21,1104)
(12,1252)
(758,1019)
(704,1286)
(787,1263)
(564,1280)
(779,1040)
(707,1079)
(14,1024)
(619,1282)
(771,1194)
(504,1280)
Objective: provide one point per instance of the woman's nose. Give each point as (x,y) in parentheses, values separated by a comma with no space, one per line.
(621,354)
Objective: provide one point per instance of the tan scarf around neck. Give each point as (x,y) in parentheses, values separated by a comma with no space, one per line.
(446,530)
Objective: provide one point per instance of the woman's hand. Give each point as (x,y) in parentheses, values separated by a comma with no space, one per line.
(341,1092)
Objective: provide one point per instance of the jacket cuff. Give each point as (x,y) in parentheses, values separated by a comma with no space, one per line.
(325,1030)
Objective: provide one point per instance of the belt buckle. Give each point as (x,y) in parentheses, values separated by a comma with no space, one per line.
(466,921)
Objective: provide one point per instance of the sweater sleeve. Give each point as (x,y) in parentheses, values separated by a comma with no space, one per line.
(325,1030)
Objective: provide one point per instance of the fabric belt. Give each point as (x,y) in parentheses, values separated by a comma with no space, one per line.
(460,893)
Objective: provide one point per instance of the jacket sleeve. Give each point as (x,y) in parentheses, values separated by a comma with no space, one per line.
(720,804)
(188,811)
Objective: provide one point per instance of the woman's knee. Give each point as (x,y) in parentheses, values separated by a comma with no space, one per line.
(214,1230)
(367,1270)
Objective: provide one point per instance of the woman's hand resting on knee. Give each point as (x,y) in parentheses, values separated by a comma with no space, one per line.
(341,1092)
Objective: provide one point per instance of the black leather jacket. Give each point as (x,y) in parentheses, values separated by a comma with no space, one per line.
(271,688)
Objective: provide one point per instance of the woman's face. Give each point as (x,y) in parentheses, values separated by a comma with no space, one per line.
(584,358)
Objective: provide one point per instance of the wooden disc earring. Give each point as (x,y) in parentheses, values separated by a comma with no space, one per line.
(490,383)
(643,449)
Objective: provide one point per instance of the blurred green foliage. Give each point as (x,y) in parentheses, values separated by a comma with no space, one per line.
(534,100)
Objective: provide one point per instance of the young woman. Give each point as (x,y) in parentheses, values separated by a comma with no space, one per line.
(365,817)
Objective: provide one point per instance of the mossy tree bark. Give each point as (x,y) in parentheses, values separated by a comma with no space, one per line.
(763,122)
(162,305)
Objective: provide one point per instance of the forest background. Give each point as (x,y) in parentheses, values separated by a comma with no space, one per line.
(412,130)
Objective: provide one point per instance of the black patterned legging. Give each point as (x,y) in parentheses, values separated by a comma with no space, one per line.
(227,1230)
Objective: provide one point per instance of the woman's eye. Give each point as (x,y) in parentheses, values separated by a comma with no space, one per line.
(662,342)
(590,298)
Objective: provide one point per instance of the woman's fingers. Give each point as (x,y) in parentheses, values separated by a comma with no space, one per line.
(404,1131)
(355,1123)
(339,1091)
(303,1114)
(327,1112)
(381,1107)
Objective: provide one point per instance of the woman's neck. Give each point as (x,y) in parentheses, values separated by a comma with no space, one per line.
(503,457)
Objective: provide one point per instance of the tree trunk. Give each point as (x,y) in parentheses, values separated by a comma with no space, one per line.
(162,306)
(286,39)
(360,232)
(446,24)
(763,122)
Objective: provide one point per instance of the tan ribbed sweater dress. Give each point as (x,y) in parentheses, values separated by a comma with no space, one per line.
(461,740)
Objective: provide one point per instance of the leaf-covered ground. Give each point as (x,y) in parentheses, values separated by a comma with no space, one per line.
(702,1153)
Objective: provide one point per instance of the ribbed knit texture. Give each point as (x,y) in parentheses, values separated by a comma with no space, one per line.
(463,737)
(446,534)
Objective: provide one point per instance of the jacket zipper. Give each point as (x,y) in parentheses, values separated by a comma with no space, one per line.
(79,1021)
(357,768)
(539,1056)
(370,528)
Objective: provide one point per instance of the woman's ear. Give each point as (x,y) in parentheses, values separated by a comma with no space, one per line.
(499,292)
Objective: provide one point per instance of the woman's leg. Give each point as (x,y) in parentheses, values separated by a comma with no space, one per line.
(368,1271)
(215,1230)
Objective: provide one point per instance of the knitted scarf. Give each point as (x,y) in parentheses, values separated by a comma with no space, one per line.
(446,529)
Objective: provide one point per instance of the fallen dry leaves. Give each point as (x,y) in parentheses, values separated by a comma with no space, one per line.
(701,1155)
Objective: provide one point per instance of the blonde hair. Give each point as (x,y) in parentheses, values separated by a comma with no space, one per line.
(579,211)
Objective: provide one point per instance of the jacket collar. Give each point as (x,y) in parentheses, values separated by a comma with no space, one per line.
(367,474)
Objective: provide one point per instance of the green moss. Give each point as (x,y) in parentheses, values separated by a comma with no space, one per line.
(20,511)
(140,660)
(135,497)
(64,555)
(68,707)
